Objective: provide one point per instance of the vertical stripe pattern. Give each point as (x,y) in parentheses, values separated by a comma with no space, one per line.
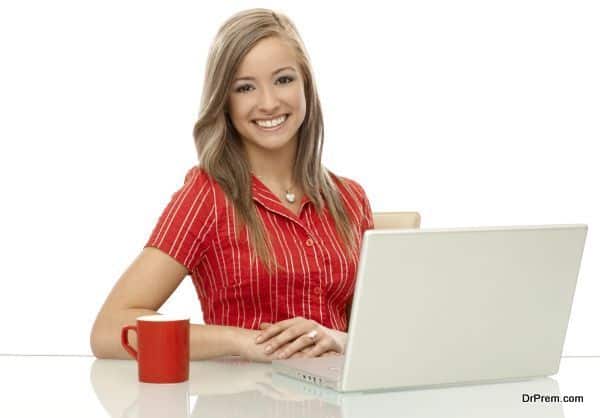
(198,230)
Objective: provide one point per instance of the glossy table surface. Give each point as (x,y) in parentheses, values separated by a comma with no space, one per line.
(52,386)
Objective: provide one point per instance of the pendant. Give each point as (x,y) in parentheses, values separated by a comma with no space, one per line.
(290,197)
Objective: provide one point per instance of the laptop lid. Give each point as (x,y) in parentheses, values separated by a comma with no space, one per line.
(447,306)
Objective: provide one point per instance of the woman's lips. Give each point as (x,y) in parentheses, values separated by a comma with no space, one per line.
(272,128)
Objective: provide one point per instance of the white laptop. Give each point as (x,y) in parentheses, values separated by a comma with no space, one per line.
(503,400)
(444,307)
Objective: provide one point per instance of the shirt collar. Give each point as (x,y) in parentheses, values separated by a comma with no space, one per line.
(266,198)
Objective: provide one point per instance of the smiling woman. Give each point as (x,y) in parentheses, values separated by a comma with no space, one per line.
(268,107)
(270,236)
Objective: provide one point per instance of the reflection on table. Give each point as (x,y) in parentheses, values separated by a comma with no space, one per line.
(231,387)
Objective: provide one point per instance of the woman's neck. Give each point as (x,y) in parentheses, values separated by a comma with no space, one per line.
(274,168)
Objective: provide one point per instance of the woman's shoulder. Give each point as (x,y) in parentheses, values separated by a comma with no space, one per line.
(197,174)
(197,182)
(187,224)
(198,178)
(347,185)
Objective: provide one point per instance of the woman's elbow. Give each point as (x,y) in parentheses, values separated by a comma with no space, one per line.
(98,343)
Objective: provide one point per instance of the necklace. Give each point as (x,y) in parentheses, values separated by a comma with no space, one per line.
(289,195)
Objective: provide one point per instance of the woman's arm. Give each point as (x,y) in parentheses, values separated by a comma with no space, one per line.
(142,290)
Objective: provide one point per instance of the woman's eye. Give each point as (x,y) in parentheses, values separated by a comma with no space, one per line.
(281,80)
(243,89)
(286,78)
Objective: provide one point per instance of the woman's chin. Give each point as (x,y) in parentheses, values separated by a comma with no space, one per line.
(271,144)
(274,147)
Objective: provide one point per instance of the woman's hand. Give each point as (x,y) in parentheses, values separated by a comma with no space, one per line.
(299,337)
(248,348)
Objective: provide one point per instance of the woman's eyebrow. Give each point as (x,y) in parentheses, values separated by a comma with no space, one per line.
(274,72)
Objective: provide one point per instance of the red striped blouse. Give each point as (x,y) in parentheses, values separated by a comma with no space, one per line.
(197,229)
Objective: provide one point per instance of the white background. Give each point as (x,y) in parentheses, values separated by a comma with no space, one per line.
(472,113)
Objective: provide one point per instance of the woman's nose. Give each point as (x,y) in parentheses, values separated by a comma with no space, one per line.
(268,100)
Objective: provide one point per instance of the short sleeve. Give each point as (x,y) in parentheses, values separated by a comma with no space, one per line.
(367,221)
(186,226)
(360,201)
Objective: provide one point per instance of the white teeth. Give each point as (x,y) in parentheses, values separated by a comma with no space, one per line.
(271,123)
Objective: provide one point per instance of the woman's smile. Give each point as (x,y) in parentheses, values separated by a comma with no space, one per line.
(270,125)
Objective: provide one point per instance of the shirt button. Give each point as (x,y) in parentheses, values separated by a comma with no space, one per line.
(309,242)
(318,290)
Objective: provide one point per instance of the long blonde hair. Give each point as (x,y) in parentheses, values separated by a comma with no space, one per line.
(220,150)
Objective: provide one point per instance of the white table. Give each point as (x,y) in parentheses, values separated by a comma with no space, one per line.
(62,386)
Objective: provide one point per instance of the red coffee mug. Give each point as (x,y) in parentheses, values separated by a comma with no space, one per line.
(163,353)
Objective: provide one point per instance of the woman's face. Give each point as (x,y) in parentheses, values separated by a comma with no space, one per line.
(266,101)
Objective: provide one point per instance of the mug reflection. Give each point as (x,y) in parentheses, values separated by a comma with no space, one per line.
(234,387)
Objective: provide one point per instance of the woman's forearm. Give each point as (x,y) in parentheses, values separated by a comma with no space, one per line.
(210,341)
(206,341)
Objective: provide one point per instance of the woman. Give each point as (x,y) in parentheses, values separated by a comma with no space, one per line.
(269,236)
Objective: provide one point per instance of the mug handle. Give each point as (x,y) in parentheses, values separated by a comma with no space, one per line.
(125,341)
